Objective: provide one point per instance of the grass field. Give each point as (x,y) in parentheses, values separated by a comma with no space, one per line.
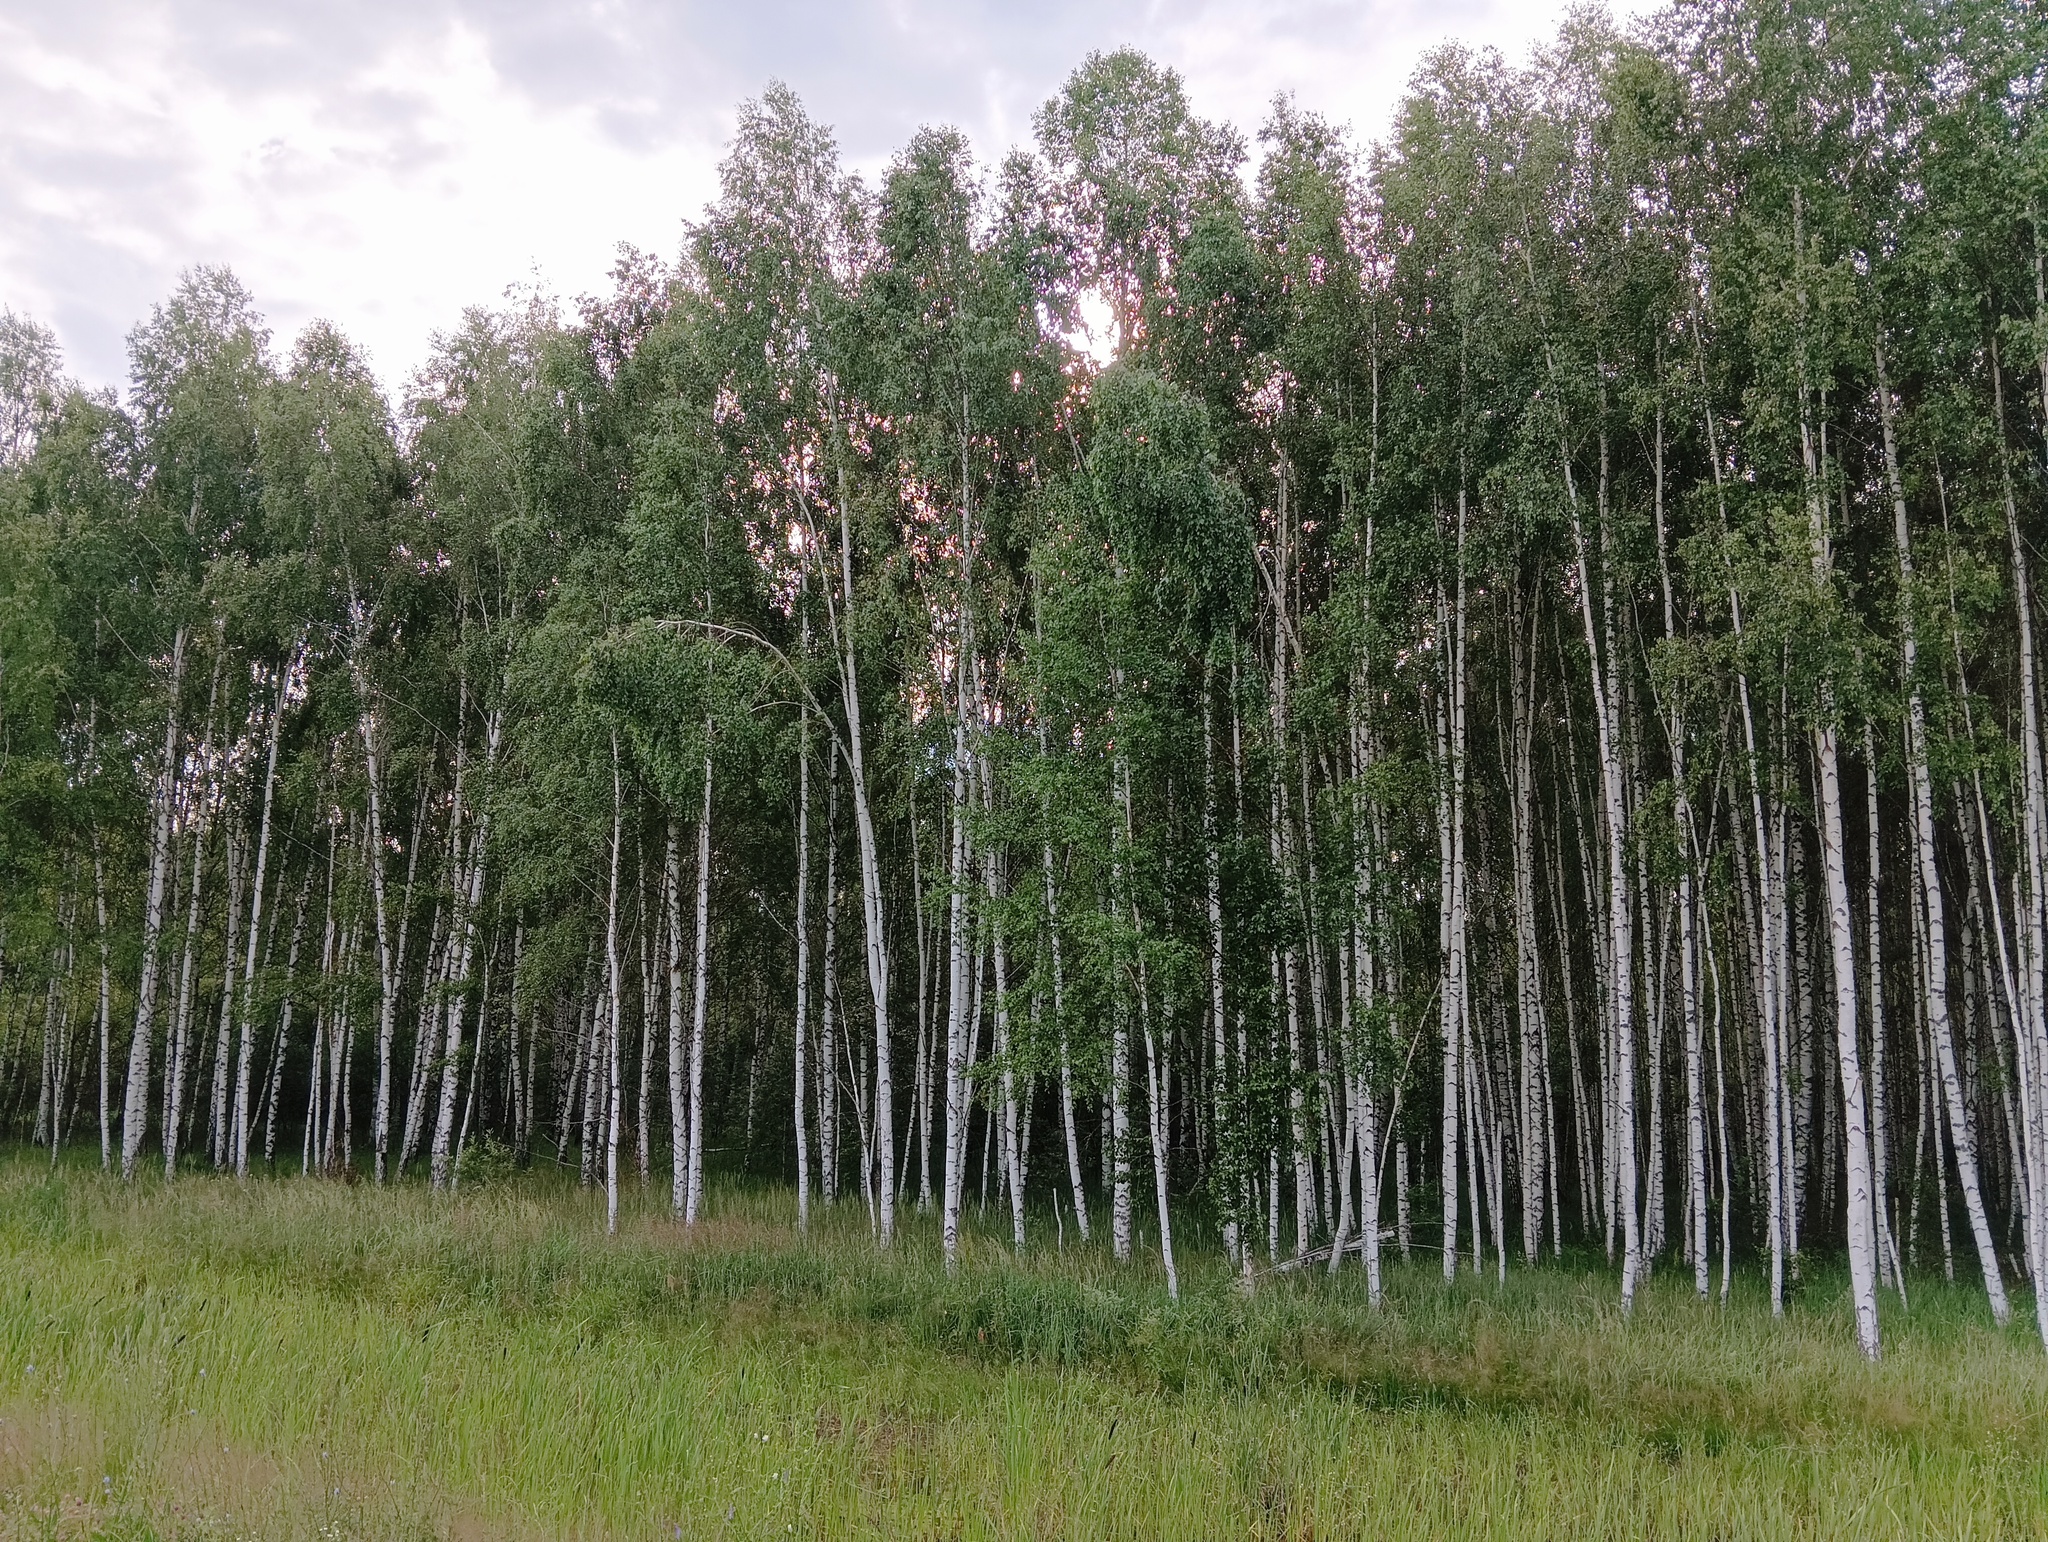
(293,1359)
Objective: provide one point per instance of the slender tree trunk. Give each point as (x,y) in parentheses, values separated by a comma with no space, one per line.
(1768,958)
(1119,1153)
(1223,1117)
(1841,936)
(801,1111)
(1013,1166)
(245,1060)
(614,989)
(1451,983)
(693,1201)
(223,1049)
(462,947)
(871,888)
(958,955)
(921,1096)
(164,797)
(1528,973)
(1927,892)
(1364,986)
(1451,841)
(1155,1112)
(426,1038)
(831,1000)
(1874,978)
(2031,923)
(1059,1012)
(678,1067)
(282,1042)
(314,1138)
(1603,659)
(103,1019)
(1687,922)
(650,909)
(387,959)
(176,1060)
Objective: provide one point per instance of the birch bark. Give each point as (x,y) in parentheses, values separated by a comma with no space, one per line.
(164,796)
(614,989)
(693,1198)
(248,992)
(1926,894)
(1841,929)
(801,1113)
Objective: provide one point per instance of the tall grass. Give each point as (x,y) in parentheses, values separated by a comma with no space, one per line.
(284,1358)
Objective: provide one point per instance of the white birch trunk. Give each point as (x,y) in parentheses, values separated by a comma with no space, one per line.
(387,959)
(246,1059)
(1528,976)
(801,1112)
(1013,1164)
(177,1069)
(1222,1118)
(693,1199)
(223,1047)
(871,890)
(103,1021)
(1927,899)
(1856,1167)
(1841,932)
(2032,923)
(462,948)
(1687,922)
(614,987)
(678,1099)
(1449,1015)
(164,797)
(958,955)
(1874,985)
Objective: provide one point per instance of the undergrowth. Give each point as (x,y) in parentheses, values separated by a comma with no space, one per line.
(280,1357)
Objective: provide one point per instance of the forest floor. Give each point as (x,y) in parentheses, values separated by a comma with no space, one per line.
(305,1359)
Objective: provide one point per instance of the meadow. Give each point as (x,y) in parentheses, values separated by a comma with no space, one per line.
(284,1359)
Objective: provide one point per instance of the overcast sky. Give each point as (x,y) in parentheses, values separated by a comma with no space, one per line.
(384,163)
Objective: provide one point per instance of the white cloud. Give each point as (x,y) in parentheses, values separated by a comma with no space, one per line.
(386,164)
